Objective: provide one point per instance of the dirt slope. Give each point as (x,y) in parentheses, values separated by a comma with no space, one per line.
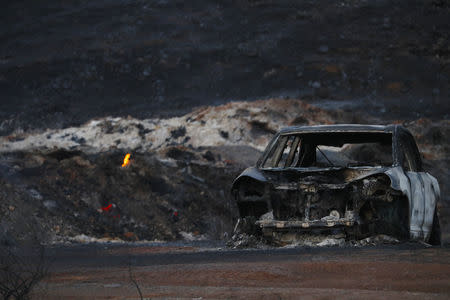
(70,182)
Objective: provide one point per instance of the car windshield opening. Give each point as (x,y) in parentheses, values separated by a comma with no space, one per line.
(336,149)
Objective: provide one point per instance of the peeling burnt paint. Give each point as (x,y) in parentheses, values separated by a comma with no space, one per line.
(396,198)
(422,191)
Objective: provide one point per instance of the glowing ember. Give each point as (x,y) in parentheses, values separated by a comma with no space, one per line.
(106,208)
(126,160)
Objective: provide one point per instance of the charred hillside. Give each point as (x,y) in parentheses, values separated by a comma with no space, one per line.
(69,195)
(70,183)
(63,63)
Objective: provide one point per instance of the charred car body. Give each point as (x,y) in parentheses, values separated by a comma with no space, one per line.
(358,179)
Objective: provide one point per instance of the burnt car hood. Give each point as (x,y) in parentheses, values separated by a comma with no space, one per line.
(332,175)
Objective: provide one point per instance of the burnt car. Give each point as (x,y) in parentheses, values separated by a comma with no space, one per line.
(360,180)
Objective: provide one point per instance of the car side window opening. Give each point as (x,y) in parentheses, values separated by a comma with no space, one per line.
(286,151)
(330,150)
(279,150)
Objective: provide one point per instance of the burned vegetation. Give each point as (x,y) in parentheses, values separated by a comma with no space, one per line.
(110,196)
(351,179)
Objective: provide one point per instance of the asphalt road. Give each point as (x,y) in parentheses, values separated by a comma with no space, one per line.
(410,271)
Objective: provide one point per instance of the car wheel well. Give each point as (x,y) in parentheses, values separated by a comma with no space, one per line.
(386,217)
(435,236)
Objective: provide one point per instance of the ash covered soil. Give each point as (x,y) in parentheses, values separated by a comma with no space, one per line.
(64,63)
(70,183)
(82,83)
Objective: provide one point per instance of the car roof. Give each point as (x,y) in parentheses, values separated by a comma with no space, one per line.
(341,128)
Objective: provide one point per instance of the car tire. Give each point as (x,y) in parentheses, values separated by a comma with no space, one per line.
(435,237)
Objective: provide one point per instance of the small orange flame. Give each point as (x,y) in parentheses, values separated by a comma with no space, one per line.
(126,160)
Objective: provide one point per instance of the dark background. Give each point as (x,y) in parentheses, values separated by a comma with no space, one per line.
(65,62)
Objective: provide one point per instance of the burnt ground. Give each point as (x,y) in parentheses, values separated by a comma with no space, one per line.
(63,63)
(69,194)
